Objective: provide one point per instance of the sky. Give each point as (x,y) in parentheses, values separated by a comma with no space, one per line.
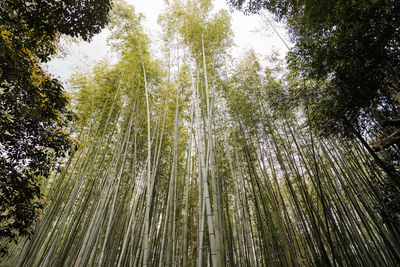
(250,32)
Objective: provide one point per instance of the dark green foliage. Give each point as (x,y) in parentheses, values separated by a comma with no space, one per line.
(34,109)
(40,23)
(350,50)
(354,49)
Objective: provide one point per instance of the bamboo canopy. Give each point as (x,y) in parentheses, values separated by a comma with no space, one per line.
(191,165)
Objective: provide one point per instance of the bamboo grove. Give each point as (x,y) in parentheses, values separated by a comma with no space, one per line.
(186,161)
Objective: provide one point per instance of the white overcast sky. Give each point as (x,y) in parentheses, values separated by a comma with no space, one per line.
(249,32)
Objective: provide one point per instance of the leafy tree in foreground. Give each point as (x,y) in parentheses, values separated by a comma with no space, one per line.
(34,109)
(350,49)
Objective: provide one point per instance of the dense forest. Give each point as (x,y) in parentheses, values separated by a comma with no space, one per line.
(195,159)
